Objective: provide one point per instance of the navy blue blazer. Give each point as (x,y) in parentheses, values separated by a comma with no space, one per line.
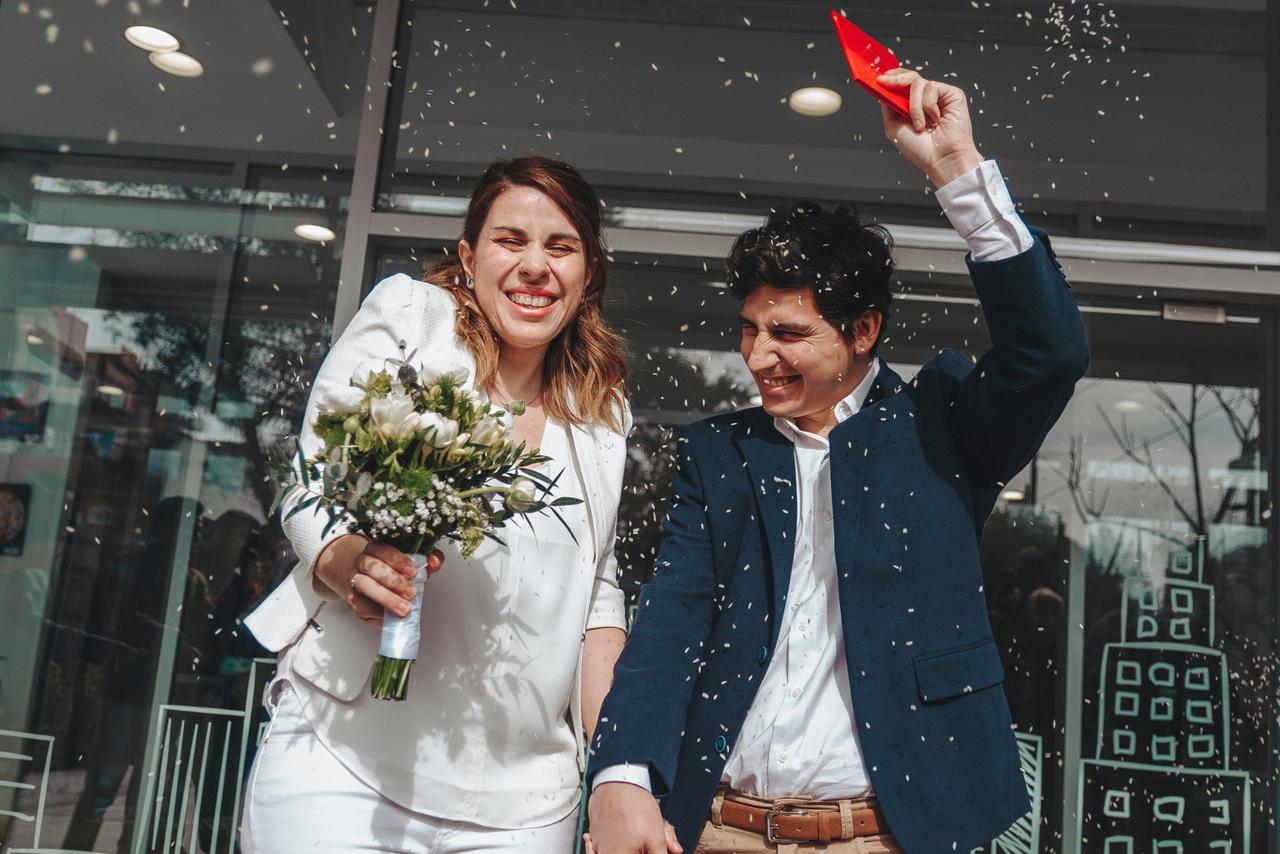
(914,475)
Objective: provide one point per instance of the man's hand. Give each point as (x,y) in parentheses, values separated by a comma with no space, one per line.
(625,820)
(938,138)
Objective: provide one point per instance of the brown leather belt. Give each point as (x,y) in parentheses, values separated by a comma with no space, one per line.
(803,823)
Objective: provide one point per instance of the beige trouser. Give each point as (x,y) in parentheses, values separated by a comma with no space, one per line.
(719,838)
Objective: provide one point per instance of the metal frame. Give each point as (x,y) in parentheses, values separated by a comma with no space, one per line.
(364,176)
(193,466)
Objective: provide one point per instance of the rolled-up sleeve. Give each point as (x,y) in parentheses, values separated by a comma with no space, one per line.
(608,605)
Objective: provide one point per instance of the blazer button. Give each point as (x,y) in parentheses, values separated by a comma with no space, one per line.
(764,654)
(721,744)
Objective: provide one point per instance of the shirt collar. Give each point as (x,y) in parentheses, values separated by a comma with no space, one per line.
(844,410)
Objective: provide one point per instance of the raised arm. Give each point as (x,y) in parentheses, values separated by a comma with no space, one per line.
(1002,409)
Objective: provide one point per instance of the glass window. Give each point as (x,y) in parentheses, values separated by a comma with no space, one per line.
(161,314)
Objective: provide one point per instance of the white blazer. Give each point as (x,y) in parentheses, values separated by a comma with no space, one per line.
(319,638)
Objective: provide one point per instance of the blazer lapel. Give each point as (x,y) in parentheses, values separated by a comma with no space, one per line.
(582,446)
(848,471)
(771,468)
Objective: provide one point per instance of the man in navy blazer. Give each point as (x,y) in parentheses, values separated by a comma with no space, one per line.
(812,666)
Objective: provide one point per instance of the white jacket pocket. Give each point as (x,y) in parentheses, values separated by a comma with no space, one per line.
(336,653)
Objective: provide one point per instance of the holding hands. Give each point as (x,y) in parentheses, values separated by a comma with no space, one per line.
(625,819)
(938,138)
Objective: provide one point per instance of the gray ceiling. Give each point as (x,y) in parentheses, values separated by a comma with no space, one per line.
(1129,104)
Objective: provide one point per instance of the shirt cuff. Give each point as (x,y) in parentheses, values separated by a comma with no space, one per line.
(982,212)
(608,607)
(636,775)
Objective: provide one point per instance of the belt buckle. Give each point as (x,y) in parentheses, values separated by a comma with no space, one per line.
(769,835)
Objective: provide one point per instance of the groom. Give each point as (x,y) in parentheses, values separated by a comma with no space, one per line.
(812,667)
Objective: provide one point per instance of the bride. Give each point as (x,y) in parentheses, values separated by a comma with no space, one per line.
(519,640)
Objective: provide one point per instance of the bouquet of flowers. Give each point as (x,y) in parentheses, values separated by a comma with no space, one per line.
(411,454)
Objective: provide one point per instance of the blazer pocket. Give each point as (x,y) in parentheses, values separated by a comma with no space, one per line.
(336,654)
(958,670)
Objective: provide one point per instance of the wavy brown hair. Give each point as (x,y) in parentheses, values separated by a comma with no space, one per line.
(584,371)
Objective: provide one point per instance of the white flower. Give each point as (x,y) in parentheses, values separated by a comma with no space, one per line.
(432,372)
(442,431)
(523,495)
(488,431)
(367,370)
(393,416)
(340,401)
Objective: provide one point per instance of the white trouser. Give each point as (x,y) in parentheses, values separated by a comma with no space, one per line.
(301,798)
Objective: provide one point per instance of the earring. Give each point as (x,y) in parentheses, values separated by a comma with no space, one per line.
(471,283)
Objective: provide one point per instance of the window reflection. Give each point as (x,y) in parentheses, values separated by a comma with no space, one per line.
(161,328)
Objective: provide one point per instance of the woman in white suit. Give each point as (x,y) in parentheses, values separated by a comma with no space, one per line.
(519,640)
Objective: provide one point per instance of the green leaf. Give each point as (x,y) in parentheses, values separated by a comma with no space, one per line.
(280,495)
(534,474)
(565,502)
(302,505)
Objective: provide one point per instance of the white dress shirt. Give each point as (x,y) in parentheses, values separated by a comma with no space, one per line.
(800,736)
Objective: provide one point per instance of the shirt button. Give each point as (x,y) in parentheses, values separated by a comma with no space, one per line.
(795,692)
(827,515)
(782,758)
(721,744)
(764,654)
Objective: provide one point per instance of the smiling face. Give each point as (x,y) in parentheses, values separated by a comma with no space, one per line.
(801,362)
(529,268)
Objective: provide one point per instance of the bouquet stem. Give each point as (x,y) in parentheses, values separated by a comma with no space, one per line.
(390,678)
(399,645)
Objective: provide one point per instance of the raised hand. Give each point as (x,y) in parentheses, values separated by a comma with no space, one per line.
(938,138)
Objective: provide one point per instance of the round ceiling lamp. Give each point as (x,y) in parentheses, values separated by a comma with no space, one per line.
(151,39)
(177,63)
(815,101)
(314,233)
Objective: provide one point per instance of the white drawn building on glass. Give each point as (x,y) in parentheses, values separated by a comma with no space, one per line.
(1161,780)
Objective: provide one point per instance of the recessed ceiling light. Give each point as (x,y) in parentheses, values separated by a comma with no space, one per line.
(178,64)
(153,39)
(1013,495)
(35,340)
(755,400)
(111,390)
(313,232)
(1126,406)
(815,101)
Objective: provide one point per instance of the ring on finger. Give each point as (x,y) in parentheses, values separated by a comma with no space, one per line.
(353,581)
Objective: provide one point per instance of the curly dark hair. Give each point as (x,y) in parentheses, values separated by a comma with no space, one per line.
(846,261)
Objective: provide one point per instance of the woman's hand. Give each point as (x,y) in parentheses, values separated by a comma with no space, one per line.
(371,577)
